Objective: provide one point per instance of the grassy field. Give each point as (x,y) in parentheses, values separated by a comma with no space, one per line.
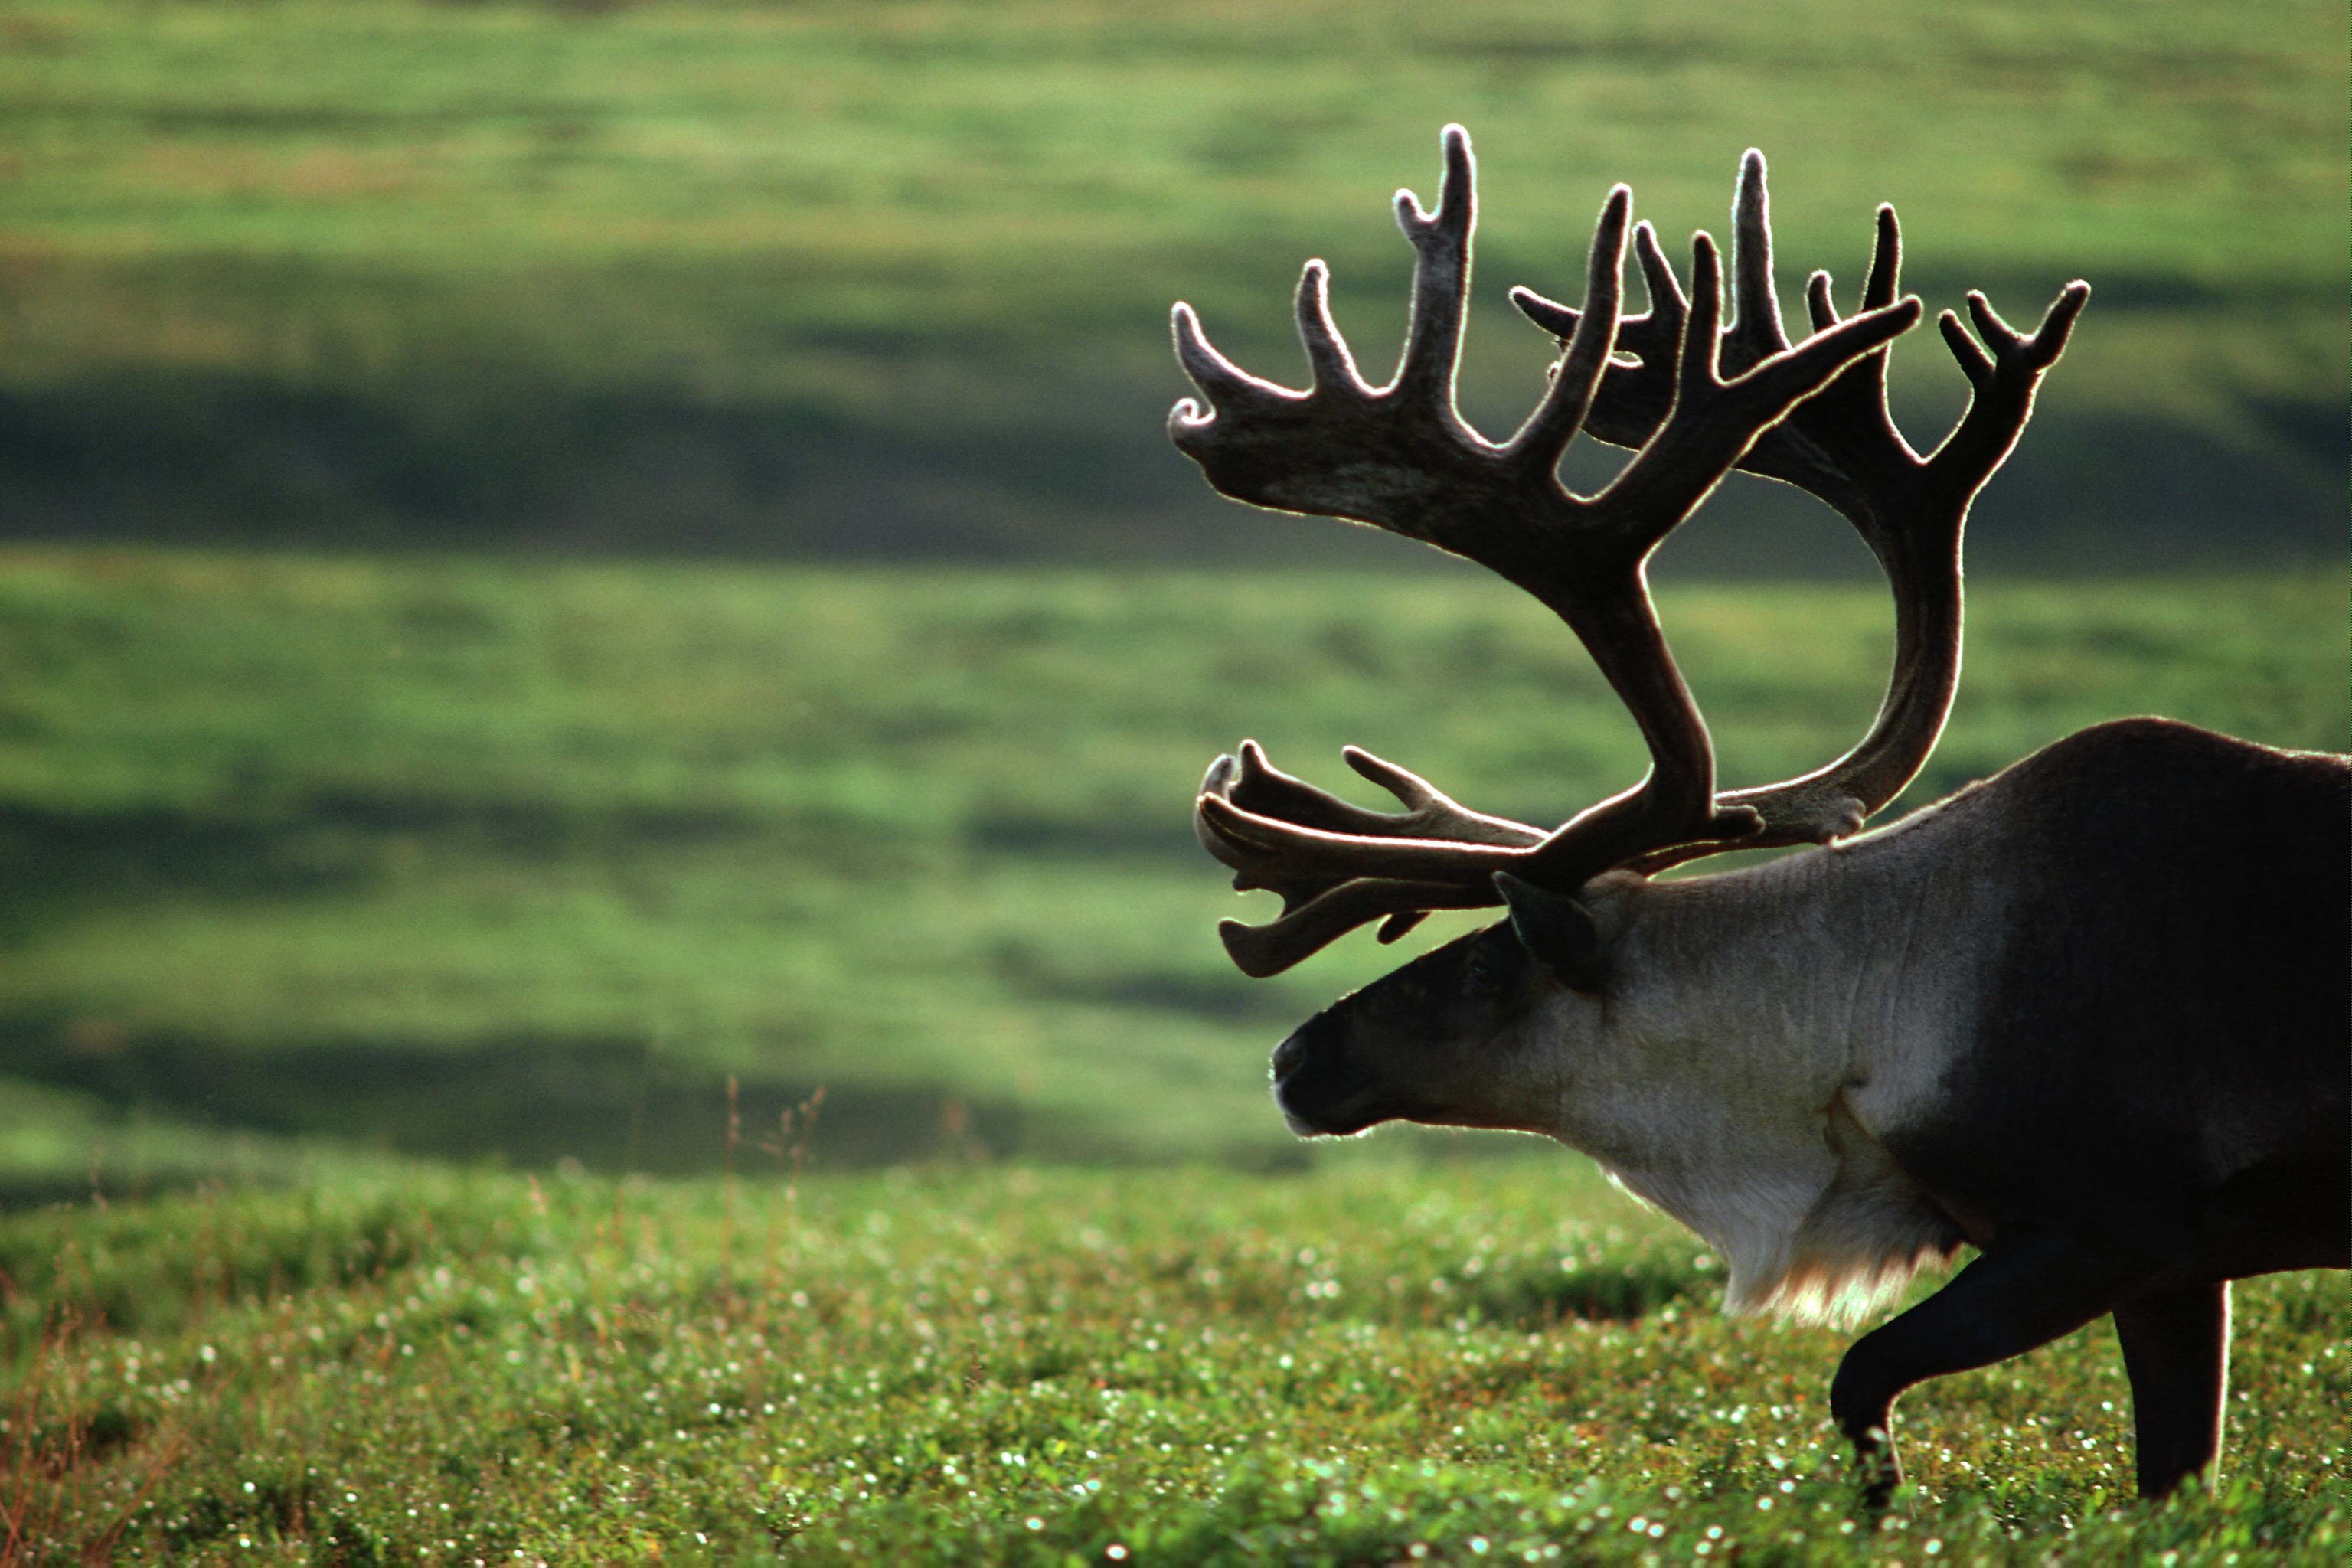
(891,277)
(457,856)
(315,866)
(1500,1362)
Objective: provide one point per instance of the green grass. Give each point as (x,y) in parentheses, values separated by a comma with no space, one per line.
(461,856)
(683,274)
(1499,1361)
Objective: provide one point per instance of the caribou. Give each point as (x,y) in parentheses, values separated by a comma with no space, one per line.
(2087,1018)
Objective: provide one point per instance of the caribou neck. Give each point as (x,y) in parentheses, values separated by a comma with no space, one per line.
(1767,1032)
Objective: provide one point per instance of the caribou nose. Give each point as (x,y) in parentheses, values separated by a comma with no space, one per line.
(1288,1055)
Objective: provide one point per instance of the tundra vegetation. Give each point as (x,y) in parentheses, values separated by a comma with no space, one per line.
(1480,1362)
(289,837)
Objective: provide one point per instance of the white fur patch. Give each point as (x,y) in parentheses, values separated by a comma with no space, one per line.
(1859,1244)
(1833,1240)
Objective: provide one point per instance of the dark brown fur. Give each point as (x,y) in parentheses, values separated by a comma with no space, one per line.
(2157,1104)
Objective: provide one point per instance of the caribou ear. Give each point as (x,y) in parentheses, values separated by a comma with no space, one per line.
(1557,933)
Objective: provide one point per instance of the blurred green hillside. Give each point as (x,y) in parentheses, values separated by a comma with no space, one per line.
(453,856)
(889,277)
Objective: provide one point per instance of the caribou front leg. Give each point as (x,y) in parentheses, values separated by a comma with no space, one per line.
(2177,1351)
(2021,1294)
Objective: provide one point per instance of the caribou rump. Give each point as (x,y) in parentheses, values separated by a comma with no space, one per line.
(2089,1017)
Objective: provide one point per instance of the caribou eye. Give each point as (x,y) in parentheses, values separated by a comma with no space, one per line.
(1482,975)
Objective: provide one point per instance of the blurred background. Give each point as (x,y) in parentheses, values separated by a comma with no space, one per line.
(572,566)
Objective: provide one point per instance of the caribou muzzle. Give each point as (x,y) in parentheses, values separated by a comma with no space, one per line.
(1322,1094)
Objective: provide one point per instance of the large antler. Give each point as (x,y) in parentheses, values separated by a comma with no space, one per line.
(1843,446)
(1401,458)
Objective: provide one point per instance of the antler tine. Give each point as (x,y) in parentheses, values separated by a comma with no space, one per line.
(1294,852)
(1542,440)
(1222,383)
(1265,950)
(1885,262)
(1756,333)
(1441,275)
(1255,784)
(1327,355)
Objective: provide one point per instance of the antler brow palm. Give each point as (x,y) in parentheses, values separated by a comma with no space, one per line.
(1695,398)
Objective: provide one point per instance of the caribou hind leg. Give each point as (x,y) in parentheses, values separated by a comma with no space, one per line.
(2177,1351)
(2020,1295)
